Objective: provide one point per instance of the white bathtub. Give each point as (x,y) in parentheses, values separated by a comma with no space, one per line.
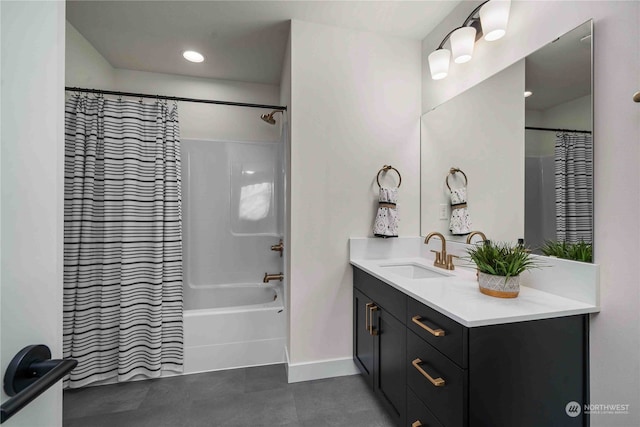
(231,335)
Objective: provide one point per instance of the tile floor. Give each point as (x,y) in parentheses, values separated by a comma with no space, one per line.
(246,397)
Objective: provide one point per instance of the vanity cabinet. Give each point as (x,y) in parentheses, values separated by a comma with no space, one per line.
(430,370)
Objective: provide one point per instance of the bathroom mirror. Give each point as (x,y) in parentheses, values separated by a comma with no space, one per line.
(527,161)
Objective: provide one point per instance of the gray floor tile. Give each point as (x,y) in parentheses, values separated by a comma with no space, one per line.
(367,418)
(187,388)
(223,411)
(265,378)
(104,399)
(168,416)
(257,396)
(342,395)
(269,408)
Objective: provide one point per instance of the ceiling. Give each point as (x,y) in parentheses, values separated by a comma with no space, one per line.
(560,71)
(241,40)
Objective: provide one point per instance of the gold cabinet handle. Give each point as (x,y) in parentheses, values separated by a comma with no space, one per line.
(416,423)
(372,331)
(366,316)
(438,382)
(436,332)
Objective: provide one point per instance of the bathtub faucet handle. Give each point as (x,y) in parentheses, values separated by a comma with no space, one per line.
(269,277)
(278,248)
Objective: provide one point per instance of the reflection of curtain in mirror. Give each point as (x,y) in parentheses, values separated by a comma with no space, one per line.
(574,187)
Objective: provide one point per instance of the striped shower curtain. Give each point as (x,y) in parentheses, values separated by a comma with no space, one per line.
(574,187)
(122,239)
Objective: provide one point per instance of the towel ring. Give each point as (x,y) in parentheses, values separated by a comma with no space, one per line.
(386,168)
(452,171)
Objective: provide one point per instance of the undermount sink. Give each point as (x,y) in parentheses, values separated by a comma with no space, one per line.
(414,271)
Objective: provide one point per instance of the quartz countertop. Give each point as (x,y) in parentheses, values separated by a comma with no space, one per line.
(456,295)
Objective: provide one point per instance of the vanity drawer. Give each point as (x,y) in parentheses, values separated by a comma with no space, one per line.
(417,414)
(384,295)
(447,335)
(437,381)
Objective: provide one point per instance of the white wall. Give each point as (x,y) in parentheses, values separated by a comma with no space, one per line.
(285,99)
(85,67)
(482,133)
(356,107)
(32,183)
(615,332)
(574,114)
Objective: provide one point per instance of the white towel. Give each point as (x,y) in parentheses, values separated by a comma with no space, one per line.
(386,224)
(460,223)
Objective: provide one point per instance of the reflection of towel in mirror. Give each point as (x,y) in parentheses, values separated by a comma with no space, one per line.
(386,224)
(460,223)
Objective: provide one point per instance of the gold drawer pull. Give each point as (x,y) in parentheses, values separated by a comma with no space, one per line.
(372,331)
(438,382)
(416,424)
(437,332)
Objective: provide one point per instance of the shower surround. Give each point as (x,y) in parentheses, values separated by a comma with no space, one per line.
(232,215)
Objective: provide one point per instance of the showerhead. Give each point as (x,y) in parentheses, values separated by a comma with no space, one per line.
(269,117)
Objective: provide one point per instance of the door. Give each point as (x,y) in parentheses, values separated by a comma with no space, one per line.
(390,364)
(31,180)
(362,338)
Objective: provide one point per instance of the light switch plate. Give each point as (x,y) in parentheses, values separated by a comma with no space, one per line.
(443,211)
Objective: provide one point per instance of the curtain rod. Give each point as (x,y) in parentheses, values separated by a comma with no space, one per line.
(557,130)
(175,98)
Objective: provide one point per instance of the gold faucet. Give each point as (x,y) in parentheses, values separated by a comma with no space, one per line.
(279,247)
(442,259)
(479,233)
(269,277)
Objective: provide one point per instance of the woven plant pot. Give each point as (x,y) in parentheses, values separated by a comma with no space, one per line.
(497,286)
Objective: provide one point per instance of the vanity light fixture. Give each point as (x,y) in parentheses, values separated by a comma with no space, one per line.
(489,19)
(527,93)
(193,56)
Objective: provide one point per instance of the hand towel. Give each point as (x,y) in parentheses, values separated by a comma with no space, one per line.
(386,223)
(460,223)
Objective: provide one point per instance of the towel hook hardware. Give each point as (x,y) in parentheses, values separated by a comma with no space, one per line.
(453,171)
(385,169)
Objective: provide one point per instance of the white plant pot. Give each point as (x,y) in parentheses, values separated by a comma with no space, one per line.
(499,286)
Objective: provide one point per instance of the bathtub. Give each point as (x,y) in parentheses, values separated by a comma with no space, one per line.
(220,334)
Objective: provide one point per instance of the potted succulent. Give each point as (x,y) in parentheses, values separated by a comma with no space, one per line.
(580,251)
(499,266)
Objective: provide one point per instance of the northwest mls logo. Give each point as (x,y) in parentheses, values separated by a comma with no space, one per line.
(572,409)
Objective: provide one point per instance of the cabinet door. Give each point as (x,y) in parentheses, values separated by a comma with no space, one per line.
(525,374)
(390,370)
(362,338)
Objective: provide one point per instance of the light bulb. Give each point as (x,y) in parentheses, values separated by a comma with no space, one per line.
(193,56)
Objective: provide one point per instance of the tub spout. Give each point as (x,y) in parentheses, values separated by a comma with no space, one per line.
(269,277)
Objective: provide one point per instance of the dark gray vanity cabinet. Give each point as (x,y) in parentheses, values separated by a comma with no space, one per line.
(380,342)
(431,371)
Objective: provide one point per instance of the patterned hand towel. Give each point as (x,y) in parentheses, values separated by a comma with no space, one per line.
(460,223)
(386,224)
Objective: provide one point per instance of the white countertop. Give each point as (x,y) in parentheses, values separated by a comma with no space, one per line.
(458,297)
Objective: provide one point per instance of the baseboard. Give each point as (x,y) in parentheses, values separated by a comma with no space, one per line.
(320,369)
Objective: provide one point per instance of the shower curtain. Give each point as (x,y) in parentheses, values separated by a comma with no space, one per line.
(122,239)
(574,187)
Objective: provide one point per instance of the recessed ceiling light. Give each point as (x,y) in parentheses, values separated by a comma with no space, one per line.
(527,93)
(193,56)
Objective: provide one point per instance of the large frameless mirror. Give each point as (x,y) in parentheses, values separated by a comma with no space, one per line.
(515,153)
